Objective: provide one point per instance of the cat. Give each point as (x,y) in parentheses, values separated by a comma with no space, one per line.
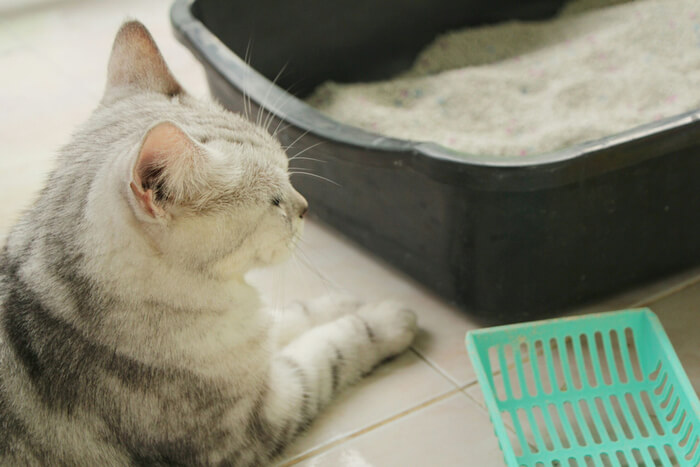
(128,335)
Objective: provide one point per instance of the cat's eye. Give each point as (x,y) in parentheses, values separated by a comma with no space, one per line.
(276,201)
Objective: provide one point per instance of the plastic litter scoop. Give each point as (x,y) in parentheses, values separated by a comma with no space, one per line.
(596,390)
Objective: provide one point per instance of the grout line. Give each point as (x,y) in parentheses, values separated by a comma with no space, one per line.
(437,368)
(469,385)
(315,451)
(474,400)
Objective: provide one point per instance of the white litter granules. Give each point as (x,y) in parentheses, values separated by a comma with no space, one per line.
(522,88)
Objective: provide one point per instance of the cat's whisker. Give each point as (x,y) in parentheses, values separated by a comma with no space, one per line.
(306,261)
(317,176)
(303,243)
(247,104)
(281,101)
(283,127)
(270,114)
(306,271)
(309,159)
(262,110)
(246,57)
(305,149)
(271,119)
(291,145)
(258,118)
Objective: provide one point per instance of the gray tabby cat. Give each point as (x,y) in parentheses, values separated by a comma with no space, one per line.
(127,333)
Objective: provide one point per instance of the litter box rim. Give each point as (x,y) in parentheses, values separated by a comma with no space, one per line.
(503,173)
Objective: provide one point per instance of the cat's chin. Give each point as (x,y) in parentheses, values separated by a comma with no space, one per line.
(280,253)
(275,257)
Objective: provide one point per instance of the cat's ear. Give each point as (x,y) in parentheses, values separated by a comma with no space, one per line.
(166,159)
(137,62)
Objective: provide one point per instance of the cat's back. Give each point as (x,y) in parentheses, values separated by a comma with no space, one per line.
(41,281)
(16,445)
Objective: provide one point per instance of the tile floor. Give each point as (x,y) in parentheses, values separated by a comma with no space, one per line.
(423,408)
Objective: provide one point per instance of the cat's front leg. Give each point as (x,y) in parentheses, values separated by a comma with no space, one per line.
(302,315)
(311,370)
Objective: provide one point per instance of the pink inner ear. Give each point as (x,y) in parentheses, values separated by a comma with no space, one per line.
(159,144)
(166,152)
(145,199)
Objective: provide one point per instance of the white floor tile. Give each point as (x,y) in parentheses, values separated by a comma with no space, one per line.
(393,388)
(451,432)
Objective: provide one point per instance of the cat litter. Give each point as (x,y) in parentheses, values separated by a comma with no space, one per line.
(520,88)
(597,390)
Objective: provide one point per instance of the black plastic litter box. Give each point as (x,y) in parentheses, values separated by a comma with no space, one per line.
(507,239)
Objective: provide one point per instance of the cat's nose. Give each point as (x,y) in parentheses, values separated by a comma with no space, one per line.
(301,204)
(303,207)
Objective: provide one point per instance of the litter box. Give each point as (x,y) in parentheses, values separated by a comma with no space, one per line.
(508,238)
(597,390)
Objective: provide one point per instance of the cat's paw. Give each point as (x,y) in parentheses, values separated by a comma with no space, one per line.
(392,325)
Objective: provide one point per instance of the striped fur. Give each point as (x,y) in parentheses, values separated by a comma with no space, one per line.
(128,335)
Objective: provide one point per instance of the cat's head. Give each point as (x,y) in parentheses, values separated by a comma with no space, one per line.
(205,187)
